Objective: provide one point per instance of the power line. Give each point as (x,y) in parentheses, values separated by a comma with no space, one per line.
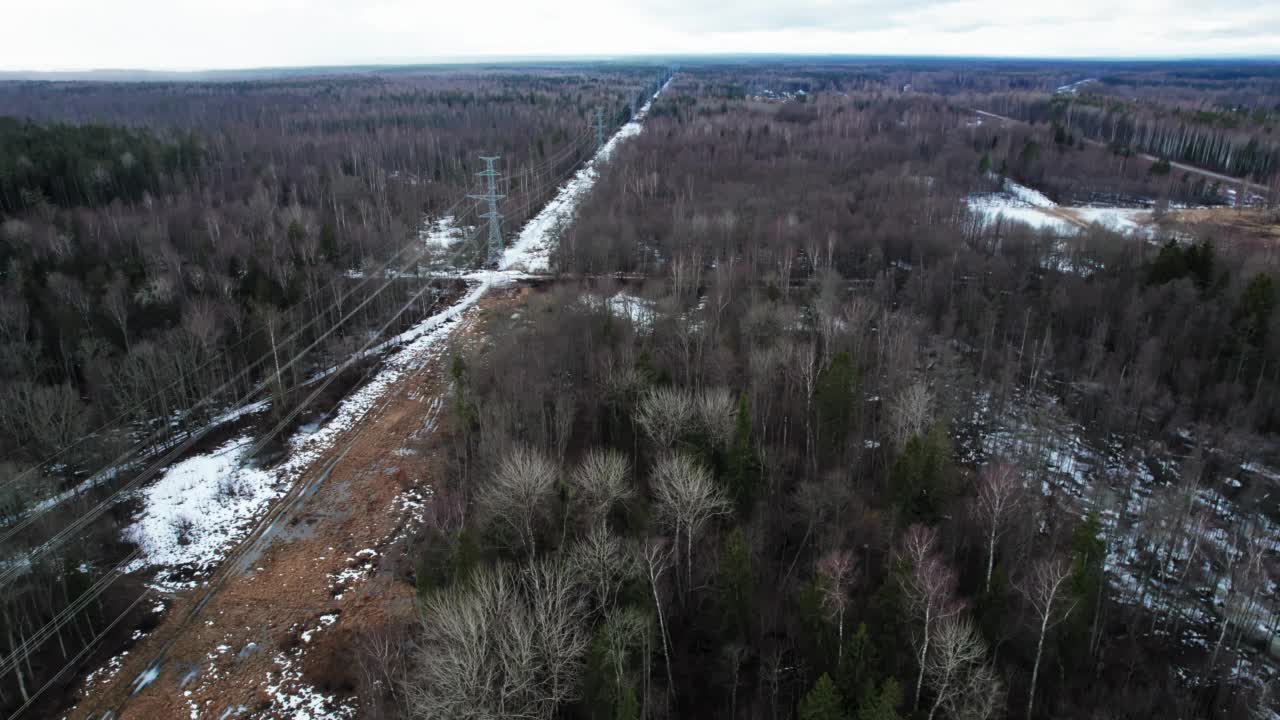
(115,465)
(300,491)
(211,360)
(256,536)
(80,655)
(123,458)
(16,566)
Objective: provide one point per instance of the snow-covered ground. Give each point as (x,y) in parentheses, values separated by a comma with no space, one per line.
(1127,221)
(1187,572)
(201,506)
(442,233)
(197,509)
(999,208)
(1073,88)
(1019,203)
(640,311)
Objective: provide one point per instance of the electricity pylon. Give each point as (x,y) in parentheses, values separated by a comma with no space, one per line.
(490,174)
(599,126)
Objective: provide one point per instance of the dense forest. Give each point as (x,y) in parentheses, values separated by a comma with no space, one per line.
(754,498)
(790,428)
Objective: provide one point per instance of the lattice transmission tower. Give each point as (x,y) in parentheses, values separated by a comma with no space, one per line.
(491,196)
(599,126)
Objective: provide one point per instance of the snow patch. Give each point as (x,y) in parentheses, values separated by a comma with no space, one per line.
(995,208)
(292,697)
(197,510)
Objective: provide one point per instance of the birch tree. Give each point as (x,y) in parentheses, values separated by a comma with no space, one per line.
(1041,588)
(910,413)
(929,593)
(837,569)
(999,495)
(655,560)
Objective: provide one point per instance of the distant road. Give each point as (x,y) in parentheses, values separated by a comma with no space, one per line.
(1181,166)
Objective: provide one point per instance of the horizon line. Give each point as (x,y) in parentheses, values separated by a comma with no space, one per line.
(516,59)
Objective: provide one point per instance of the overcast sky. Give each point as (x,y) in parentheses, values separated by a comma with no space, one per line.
(209,34)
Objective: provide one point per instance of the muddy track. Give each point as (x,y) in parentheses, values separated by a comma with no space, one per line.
(1233,181)
(320,571)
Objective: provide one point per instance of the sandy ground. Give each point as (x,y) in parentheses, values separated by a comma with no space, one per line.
(1249,223)
(325,576)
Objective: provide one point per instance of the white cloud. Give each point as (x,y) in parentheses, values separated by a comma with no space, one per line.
(186,34)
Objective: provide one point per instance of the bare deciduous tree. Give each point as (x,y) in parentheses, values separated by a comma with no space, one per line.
(687,497)
(929,592)
(1042,589)
(46,416)
(837,569)
(604,561)
(560,634)
(910,413)
(716,411)
(380,656)
(655,560)
(624,629)
(519,493)
(506,643)
(116,302)
(957,651)
(664,413)
(999,495)
(980,696)
(600,482)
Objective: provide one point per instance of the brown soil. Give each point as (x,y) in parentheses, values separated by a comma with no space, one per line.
(1229,223)
(227,653)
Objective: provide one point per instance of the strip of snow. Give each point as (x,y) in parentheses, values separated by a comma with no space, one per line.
(1072,88)
(531,250)
(201,506)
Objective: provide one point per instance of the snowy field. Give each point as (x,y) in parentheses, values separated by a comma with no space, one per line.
(996,209)
(1021,204)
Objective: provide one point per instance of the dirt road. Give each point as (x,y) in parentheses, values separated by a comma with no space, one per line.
(1233,181)
(276,639)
